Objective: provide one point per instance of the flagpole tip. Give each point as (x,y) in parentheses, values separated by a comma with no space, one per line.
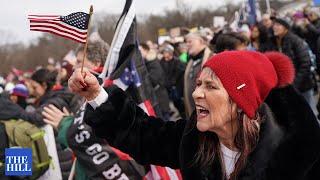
(91,9)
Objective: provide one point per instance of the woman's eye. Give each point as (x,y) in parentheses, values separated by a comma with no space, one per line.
(211,87)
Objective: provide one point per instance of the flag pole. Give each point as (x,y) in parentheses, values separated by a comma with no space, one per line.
(86,45)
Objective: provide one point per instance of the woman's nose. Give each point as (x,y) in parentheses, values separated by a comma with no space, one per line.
(198,93)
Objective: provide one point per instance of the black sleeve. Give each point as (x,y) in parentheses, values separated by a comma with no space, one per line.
(303,62)
(312,29)
(35,118)
(124,125)
(10,110)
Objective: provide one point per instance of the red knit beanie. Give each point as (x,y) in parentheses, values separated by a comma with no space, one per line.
(249,76)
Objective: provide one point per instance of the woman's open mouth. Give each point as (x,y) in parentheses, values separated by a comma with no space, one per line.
(201,111)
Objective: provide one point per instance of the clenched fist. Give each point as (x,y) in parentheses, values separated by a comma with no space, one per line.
(85,84)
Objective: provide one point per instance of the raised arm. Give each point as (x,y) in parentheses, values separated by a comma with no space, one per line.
(116,118)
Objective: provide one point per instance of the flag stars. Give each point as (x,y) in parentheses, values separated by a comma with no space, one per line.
(78,20)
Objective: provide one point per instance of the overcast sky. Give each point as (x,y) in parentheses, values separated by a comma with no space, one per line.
(13,14)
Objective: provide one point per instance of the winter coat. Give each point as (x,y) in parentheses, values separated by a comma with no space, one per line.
(173,71)
(288,145)
(312,35)
(158,82)
(297,49)
(193,68)
(313,39)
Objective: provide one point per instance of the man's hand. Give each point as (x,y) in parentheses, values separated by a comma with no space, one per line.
(85,84)
(53,115)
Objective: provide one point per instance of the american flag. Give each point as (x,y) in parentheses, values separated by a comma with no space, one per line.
(73,26)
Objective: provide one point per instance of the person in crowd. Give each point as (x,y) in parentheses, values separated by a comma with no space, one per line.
(268,23)
(152,46)
(259,38)
(298,24)
(183,52)
(42,82)
(312,34)
(173,70)
(157,78)
(230,41)
(249,122)
(293,46)
(97,52)
(245,31)
(199,52)
(19,95)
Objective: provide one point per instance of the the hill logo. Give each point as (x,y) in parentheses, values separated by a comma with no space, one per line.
(18,162)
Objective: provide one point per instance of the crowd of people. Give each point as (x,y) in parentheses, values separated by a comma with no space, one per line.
(235,104)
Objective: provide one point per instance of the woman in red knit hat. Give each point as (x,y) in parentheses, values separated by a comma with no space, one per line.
(249,122)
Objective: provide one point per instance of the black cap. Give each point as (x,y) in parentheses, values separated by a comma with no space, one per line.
(282,21)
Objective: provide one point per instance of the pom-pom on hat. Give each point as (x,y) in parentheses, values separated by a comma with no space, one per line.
(249,76)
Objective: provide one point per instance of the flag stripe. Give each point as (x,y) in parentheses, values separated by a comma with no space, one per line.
(149,108)
(178,173)
(162,171)
(155,173)
(61,24)
(60,34)
(57,18)
(48,18)
(172,173)
(48,26)
(39,16)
